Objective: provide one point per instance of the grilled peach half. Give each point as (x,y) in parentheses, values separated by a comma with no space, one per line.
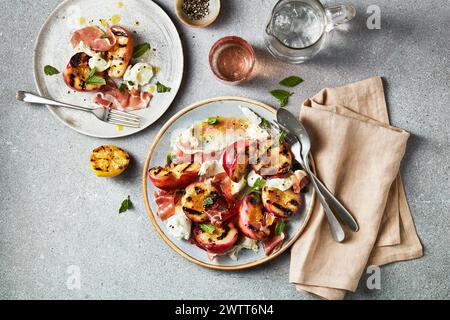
(120,55)
(283,204)
(174,176)
(198,198)
(274,161)
(77,73)
(221,240)
(253,221)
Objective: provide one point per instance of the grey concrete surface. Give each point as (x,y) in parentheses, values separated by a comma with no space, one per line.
(54,213)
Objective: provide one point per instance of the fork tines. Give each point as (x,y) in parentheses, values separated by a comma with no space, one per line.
(124,118)
(280,128)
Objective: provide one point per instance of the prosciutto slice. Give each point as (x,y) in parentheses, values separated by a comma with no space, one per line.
(273,243)
(299,180)
(139,99)
(110,97)
(166,202)
(95,38)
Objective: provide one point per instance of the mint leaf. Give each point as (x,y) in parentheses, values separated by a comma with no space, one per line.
(281,136)
(96,81)
(257,186)
(126,205)
(282,96)
(160,88)
(50,70)
(291,81)
(169,159)
(280,227)
(140,50)
(265,124)
(213,120)
(92,79)
(207,227)
(208,202)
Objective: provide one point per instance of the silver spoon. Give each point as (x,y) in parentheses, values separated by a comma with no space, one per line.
(290,123)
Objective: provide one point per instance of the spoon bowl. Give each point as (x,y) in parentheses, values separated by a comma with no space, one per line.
(289,121)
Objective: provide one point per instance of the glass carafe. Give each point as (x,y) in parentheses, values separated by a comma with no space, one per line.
(297,29)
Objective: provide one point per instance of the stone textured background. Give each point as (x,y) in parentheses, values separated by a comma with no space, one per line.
(55,213)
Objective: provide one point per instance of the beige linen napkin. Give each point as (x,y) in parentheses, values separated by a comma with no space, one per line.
(357,155)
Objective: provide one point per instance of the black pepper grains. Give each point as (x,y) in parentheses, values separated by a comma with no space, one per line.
(196,9)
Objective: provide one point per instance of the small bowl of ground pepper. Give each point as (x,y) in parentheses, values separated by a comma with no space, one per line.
(197,13)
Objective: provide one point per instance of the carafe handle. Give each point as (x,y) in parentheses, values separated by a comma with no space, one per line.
(338,15)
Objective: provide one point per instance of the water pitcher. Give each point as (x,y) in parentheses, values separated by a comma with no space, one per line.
(297,29)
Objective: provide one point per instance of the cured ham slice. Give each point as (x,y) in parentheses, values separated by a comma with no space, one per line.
(299,180)
(219,215)
(111,97)
(166,202)
(139,99)
(273,243)
(95,38)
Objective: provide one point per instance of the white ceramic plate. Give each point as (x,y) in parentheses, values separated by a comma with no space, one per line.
(226,107)
(148,23)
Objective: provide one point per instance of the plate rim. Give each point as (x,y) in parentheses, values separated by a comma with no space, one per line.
(152,217)
(52,109)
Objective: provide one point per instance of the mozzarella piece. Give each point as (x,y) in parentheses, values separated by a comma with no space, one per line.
(98,63)
(237,187)
(83,47)
(179,226)
(246,243)
(254,130)
(252,177)
(280,184)
(210,168)
(138,75)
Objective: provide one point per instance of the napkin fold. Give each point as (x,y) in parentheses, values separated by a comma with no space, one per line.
(357,155)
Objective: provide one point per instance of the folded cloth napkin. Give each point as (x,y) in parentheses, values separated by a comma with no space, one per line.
(357,155)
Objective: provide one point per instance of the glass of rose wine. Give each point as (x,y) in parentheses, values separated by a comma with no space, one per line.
(232,59)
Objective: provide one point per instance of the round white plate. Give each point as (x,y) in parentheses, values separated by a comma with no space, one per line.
(226,107)
(148,23)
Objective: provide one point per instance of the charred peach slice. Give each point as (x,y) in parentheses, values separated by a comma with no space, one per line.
(282,204)
(274,161)
(174,176)
(220,240)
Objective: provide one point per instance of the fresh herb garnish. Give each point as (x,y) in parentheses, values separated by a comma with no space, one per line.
(265,124)
(291,81)
(123,88)
(280,227)
(130,83)
(207,227)
(140,50)
(92,79)
(104,36)
(257,186)
(282,96)
(213,120)
(281,136)
(50,70)
(208,202)
(126,205)
(169,159)
(160,88)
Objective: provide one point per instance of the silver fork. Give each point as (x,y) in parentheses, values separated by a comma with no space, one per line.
(336,229)
(111,116)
